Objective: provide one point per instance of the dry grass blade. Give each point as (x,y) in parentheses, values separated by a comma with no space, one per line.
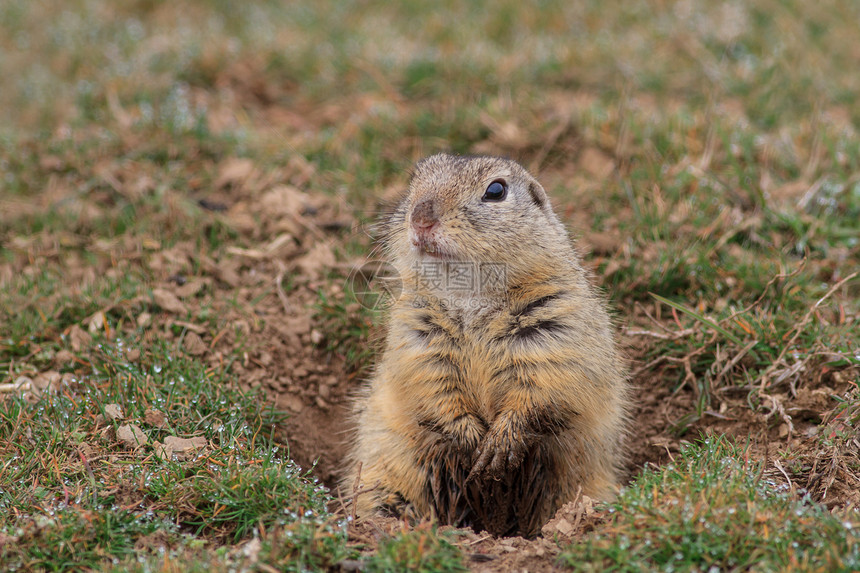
(798,329)
(705,321)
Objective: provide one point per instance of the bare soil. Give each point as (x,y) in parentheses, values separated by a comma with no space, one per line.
(265,293)
(287,354)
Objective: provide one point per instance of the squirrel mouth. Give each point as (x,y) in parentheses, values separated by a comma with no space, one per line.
(432,244)
(430,248)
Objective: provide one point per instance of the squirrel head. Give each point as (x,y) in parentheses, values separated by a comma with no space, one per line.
(476,209)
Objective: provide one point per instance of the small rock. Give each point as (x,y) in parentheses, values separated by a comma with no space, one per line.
(46,382)
(839,377)
(316,336)
(182,448)
(114,412)
(168,301)
(264,358)
(233,171)
(292,402)
(227,275)
(193,344)
(150,244)
(190,326)
(185,444)
(78,338)
(564,527)
(191,288)
(63,357)
(155,418)
(563,523)
(588,505)
(161,450)
(97,322)
(143,319)
(131,435)
(88,451)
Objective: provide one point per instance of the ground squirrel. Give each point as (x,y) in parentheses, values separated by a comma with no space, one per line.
(500,392)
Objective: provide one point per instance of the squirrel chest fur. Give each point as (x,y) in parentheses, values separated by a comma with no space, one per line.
(500,392)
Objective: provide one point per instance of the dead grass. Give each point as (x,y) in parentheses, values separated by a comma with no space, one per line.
(189,186)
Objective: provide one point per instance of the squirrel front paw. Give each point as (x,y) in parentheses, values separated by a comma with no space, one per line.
(467,431)
(463,433)
(501,451)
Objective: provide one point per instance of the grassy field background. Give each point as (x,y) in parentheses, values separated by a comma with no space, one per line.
(184,188)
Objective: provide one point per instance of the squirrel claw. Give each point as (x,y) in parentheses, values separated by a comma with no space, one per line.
(490,463)
(479,465)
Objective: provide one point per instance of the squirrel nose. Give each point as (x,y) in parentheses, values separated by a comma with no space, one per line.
(424,216)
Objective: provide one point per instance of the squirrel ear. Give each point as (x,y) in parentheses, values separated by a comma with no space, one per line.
(537,193)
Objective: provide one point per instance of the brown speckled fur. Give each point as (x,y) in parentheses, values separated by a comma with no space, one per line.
(490,410)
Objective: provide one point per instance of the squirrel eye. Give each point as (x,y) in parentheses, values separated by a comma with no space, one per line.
(496,191)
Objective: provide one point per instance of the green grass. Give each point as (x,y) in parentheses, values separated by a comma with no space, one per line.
(74,496)
(711,509)
(421,550)
(749,347)
(731,131)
